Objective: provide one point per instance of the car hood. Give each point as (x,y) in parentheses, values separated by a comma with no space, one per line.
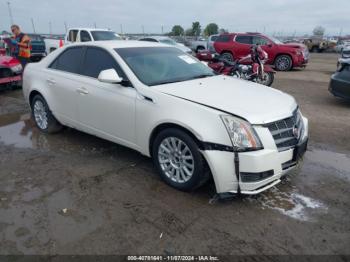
(293,45)
(8,61)
(256,103)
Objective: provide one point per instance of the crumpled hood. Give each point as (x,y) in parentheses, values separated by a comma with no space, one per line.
(256,103)
(8,61)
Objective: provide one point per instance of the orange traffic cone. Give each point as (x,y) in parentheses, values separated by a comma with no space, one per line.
(61,43)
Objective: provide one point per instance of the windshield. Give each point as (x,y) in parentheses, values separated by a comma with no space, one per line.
(275,40)
(167,41)
(162,65)
(104,35)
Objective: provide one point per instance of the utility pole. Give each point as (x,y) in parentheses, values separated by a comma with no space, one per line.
(121,29)
(33,25)
(10,12)
(143,30)
(65,26)
(50,28)
(162,30)
(341,31)
(95,24)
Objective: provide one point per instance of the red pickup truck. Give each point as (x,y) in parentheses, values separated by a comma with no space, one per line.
(284,57)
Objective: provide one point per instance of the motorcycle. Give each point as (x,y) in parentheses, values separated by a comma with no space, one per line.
(251,67)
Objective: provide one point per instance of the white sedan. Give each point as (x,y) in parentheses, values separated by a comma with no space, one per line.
(167,105)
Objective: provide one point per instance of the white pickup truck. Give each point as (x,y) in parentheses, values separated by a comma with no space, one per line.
(74,35)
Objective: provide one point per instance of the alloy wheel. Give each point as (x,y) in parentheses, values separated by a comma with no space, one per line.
(40,114)
(176,159)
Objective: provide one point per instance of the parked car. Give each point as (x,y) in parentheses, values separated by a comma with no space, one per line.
(90,34)
(10,72)
(168,41)
(340,81)
(38,48)
(284,57)
(316,44)
(341,45)
(345,53)
(204,44)
(53,42)
(167,105)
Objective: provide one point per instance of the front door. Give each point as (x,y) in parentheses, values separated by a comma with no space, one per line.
(105,109)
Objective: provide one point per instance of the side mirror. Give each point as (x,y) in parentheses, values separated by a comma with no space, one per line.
(269,44)
(109,76)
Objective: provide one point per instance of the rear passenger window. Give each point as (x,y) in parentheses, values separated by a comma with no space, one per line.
(244,39)
(223,38)
(97,60)
(72,36)
(69,60)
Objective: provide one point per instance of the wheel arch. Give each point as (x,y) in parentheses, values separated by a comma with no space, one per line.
(32,94)
(162,126)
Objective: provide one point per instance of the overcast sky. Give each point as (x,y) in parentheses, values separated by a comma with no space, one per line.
(269,16)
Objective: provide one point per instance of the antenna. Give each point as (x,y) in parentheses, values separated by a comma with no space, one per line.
(33,25)
(10,12)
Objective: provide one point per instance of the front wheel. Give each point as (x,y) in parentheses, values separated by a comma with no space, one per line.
(283,63)
(267,78)
(43,117)
(178,160)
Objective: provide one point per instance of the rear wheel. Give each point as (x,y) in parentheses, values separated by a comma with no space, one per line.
(43,117)
(283,63)
(178,160)
(227,56)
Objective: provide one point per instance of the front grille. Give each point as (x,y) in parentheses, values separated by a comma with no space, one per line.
(287,132)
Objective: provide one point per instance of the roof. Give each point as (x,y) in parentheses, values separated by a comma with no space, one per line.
(89,29)
(121,44)
(156,37)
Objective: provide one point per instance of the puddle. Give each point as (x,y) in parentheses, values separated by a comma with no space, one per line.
(290,203)
(19,130)
(329,159)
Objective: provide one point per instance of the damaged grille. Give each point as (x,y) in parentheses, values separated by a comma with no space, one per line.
(287,132)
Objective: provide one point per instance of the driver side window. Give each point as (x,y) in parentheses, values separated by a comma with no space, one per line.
(97,60)
(260,40)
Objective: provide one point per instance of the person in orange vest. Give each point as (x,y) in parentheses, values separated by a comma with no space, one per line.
(21,43)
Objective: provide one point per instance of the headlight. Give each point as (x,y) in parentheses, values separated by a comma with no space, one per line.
(17,68)
(242,134)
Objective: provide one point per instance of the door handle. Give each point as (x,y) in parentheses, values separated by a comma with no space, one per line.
(51,81)
(82,90)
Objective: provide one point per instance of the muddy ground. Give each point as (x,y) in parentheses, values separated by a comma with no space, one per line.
(73,193)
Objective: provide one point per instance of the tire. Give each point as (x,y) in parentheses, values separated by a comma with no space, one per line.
(283,63)
(186,171)
(43,117)
(268,79)
(227,56)
(200,48)
(314,49)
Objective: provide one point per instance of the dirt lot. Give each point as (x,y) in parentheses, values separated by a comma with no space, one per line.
(72,193)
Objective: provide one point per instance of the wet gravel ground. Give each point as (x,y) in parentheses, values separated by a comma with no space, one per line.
(73,193)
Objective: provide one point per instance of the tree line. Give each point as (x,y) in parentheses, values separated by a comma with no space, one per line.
(196,30)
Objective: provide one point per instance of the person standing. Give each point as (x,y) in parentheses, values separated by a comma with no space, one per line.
(21,43)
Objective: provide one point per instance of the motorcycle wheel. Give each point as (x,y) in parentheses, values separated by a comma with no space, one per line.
(267,78)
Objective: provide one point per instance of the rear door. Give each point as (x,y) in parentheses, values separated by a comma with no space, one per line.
(62,79)
(107,110)
(242,45)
